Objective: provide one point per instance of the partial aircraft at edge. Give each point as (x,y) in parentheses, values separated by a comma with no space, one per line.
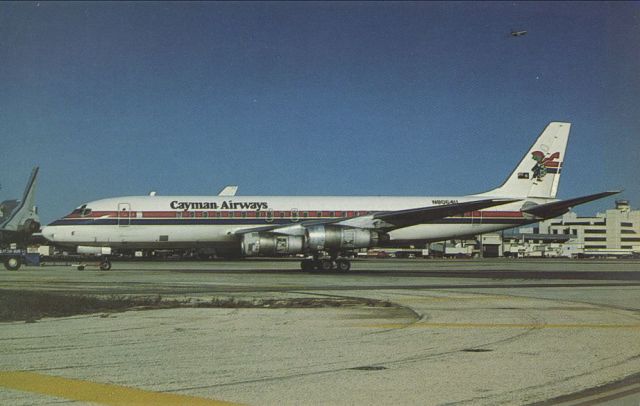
(324,228)
(19,218)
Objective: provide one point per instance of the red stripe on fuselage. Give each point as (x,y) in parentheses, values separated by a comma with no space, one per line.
(306,214)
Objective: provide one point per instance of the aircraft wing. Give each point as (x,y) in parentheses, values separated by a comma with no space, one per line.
(289,229)
(554,209)
(421,215)
(386,221)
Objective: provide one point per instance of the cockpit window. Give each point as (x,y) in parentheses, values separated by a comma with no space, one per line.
(82,211)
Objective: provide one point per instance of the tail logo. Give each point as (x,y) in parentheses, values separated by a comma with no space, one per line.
(544,164)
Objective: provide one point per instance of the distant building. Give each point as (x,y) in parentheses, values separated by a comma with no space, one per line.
(455,248)
(537,245)
(616,232)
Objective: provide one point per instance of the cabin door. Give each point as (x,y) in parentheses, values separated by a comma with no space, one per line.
(124,214)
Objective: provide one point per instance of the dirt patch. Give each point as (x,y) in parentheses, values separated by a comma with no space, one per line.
(30,306)
(298,303)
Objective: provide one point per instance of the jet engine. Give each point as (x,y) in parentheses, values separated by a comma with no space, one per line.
(30,226)
(316,238)
(267,244)
(336,238)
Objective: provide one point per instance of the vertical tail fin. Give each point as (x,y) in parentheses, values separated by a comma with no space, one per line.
(538,173)
(24,215)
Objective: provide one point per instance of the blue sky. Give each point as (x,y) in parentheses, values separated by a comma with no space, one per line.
(313,98)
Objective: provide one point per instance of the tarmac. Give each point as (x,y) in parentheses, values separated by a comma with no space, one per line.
(428,332)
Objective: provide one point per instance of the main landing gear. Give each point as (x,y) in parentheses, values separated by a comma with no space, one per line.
(105,264)
(325,264)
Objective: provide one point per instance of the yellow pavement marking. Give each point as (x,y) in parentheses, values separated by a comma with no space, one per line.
(503,325)
(102,393)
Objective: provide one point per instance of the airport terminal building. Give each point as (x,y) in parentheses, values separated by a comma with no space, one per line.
(614,233)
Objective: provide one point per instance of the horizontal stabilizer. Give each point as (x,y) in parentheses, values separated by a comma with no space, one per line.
(554,209)
(420,215)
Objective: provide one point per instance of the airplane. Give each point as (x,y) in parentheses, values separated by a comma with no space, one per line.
(19,218)
(323,228)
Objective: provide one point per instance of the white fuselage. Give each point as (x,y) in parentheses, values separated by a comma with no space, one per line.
(137,222)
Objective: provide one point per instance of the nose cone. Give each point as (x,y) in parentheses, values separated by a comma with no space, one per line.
(48,232)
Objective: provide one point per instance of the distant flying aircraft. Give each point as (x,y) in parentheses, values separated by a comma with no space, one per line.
(19,218)
(518,33)
(324,228)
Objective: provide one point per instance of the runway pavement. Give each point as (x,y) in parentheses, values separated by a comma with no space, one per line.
(443,332)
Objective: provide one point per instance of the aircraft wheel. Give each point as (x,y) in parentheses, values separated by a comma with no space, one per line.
(105,265)
(325,265)
(13,263)
(343,265)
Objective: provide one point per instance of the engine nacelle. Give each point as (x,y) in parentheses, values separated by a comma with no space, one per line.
(267,244)
(336,238)
(30,226)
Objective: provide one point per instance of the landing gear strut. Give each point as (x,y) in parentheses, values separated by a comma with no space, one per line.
(308,264)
